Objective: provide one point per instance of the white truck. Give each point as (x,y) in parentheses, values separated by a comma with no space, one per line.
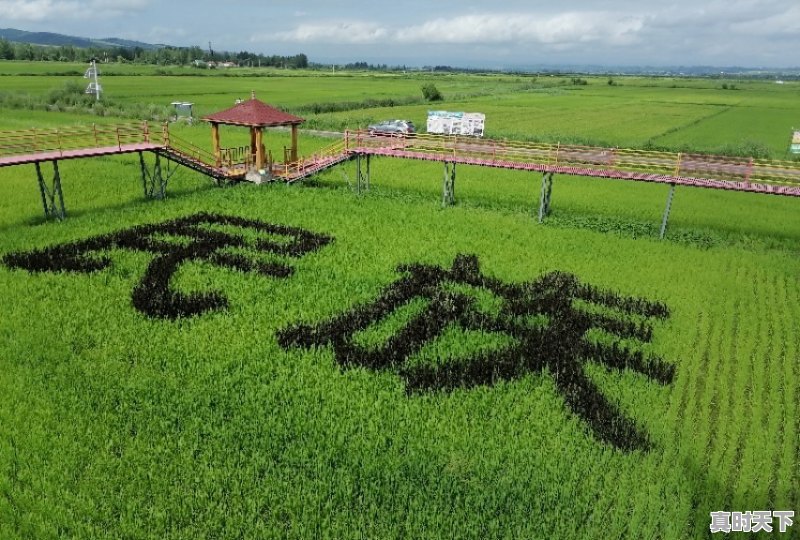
(456,123)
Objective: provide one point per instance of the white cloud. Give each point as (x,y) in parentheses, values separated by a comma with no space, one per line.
(556,30)
(724,32)
(786,23)
(36,10)
(45,10)
(331,32)
(565,28)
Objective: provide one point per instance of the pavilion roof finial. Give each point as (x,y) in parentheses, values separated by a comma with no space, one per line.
(252,94)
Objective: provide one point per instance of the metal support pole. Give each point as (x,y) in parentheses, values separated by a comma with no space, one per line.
(359,178)
(362,177)
(449,184)
(154,183)
(52,196)
(546,196)
(368,171)
(665,219)
(42,189)
(144,172)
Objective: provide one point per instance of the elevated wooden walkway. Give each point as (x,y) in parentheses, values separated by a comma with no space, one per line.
(696,170)
(43,145)
(38,146)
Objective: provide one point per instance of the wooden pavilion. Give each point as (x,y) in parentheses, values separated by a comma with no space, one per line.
(256,115)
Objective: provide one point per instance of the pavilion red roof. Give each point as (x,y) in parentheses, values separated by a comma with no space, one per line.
(253,113)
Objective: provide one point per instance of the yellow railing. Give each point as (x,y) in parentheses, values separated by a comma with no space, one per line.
(624,160)
(238,160)
(191,150)
(306,163)
(236,156)
(34,141)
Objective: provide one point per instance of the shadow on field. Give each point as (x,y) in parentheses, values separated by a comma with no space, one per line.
(40,219)
(723,235)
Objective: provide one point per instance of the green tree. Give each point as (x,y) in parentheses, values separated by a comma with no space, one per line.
(6,50)
(431,93)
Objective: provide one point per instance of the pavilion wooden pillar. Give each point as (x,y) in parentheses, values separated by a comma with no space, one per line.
(259,138)
(253,145)
(294,143)
(215,143)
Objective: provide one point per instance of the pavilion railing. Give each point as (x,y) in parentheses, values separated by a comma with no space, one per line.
(236,156)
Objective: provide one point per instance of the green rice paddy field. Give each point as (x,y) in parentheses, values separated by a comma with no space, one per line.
(306,361)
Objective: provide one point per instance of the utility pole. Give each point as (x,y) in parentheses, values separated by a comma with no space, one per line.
(91,74)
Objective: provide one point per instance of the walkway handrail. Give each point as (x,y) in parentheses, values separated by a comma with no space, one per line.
(58,140)
(566,156)
(307,163)
(191,150)
(570,159)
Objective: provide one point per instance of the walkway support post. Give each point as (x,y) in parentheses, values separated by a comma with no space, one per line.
(52,196)
(368,170)
(154,183)
(546,196)
(449,184)
(362,177)
(665,219)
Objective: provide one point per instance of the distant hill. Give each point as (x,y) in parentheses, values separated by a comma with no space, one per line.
(58,40)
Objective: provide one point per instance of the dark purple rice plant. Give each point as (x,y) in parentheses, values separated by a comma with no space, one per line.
(560,346)
(201,241)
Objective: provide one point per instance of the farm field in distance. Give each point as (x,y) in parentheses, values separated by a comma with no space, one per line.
(305,361)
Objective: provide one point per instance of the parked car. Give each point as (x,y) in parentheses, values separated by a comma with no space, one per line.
(391,127)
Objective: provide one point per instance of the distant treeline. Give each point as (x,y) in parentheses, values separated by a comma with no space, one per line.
(160,56)
(366,66)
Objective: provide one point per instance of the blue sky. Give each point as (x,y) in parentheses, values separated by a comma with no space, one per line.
(456,32)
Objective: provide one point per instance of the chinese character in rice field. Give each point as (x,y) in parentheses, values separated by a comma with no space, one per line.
(554,324)
(246,245)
